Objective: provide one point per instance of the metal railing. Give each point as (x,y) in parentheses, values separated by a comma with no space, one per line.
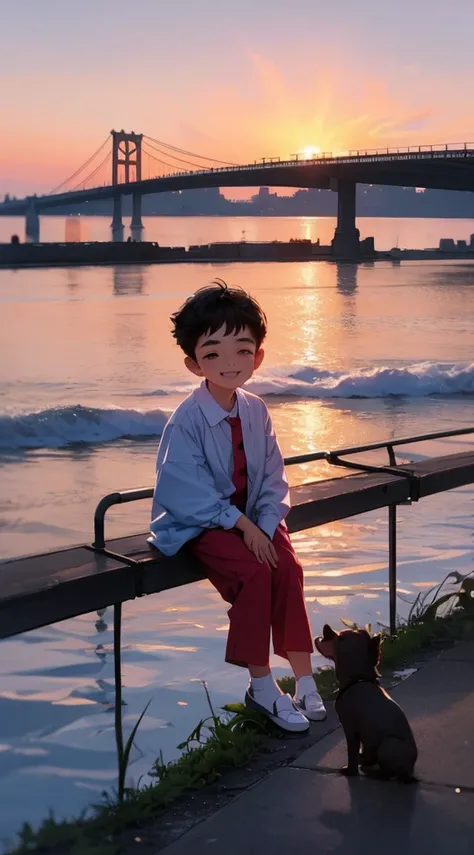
(369,155)
(334,458)
(428,152)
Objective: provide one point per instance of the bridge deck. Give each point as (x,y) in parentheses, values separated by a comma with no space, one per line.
(43,589)
(448,167)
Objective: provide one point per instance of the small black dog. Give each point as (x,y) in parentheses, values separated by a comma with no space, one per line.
(367,713)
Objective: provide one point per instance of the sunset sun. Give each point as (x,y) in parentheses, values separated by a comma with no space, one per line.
(310,151)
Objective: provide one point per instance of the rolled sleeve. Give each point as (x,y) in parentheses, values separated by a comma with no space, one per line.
(229,517)
(269,524)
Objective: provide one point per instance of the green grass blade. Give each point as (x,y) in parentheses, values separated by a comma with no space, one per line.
(126,753)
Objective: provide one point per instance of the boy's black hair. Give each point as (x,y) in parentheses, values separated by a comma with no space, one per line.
(212,307)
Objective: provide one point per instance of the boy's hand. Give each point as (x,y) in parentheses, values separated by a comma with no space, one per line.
(257,541)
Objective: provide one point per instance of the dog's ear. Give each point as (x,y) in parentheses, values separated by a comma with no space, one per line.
(375,644)
(329,634)
(326,646)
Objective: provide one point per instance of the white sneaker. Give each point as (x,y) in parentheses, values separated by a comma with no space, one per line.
(312,706)
(285,713)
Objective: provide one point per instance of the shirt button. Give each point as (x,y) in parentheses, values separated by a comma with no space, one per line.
(241,446)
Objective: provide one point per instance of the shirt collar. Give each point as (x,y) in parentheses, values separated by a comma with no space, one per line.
(209,406)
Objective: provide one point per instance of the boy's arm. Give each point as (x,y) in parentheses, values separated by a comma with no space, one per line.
(184,484)
(273,502)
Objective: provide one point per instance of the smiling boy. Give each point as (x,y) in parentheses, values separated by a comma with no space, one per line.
(221,489)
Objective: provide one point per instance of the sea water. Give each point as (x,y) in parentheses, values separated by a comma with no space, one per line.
(89,373)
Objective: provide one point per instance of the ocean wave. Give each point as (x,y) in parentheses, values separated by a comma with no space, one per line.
(61,426)
(58,427)
(417,380)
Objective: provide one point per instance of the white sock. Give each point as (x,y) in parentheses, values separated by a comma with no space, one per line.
(265,690)
(305,686)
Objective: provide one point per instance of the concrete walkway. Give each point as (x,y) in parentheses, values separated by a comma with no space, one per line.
(310,809)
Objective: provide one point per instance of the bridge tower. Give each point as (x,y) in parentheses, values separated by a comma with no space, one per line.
(126,153)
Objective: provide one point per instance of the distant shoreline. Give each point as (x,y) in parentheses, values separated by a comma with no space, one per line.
(252,215)
(22,255)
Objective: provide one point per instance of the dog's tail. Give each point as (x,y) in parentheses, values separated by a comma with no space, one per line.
(397,758)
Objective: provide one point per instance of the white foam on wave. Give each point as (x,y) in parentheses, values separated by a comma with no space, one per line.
(61,426)
(303,381)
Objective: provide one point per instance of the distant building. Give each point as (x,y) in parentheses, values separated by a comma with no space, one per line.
(372,201)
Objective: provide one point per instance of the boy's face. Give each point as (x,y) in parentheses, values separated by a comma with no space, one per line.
(224,360)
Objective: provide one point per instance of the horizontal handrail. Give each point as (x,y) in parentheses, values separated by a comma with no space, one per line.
(331,457)
(374,446)
(325,158)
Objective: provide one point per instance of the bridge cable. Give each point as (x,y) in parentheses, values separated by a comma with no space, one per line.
(190,153)
(81,168)
(93,173)
(157,159)
(180,159)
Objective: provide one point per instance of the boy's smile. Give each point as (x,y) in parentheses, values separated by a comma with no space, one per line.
(225,360)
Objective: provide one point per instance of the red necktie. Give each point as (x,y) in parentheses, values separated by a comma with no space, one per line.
(239,475)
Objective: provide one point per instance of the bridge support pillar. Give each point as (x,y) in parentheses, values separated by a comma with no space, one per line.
(117,215)
(346,241)
(117,224)
(136,211)
(32,223)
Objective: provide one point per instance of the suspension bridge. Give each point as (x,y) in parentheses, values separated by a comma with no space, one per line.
(135,164)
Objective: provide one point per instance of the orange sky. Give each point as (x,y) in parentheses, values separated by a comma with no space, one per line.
(264,81)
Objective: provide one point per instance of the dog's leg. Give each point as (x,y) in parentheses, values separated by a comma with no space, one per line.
(353,748)
(397,759)
(368,756)
(375,772)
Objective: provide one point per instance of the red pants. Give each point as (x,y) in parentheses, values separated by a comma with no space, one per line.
(262,598)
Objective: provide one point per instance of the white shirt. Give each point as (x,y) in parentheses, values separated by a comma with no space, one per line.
(195,465)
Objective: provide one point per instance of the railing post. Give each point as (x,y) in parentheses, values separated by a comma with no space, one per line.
(392,567)
(118,698)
